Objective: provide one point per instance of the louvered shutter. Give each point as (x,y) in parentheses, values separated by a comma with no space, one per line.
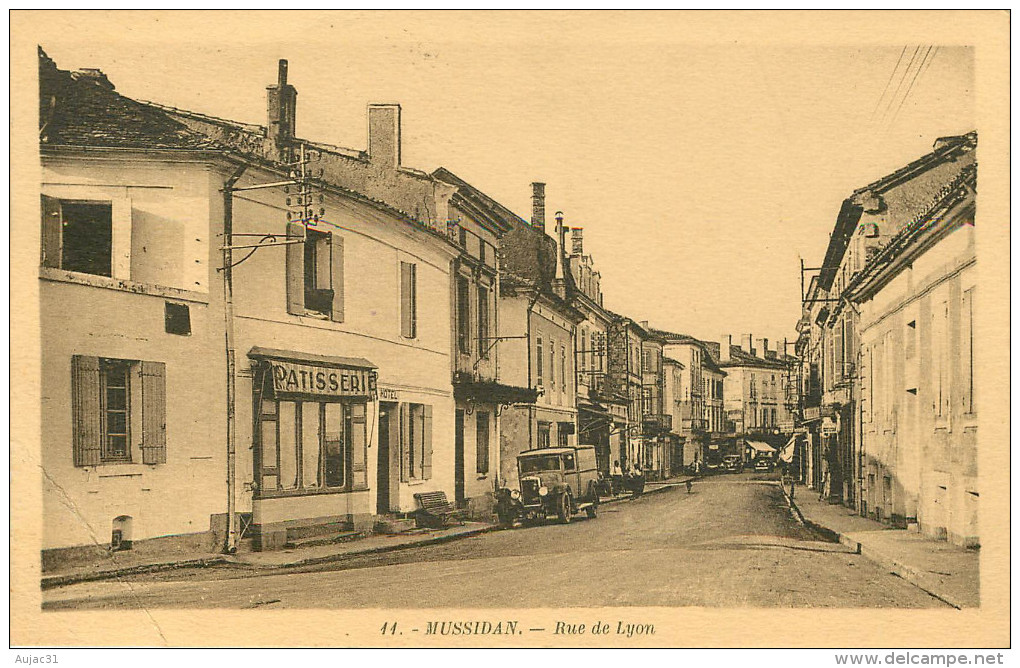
(153,413)
(406,326)
(86,411)
(426,444)
(295,269)
(405,438)
(337,259)
(359,469)
(51,232)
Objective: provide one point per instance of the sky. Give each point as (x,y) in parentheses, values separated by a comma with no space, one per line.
(702,159)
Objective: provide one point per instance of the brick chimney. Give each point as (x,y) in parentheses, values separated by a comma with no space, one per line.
(761,347)
(745,343)
(538,206)
(576,241)
(725,341)
(281,109)
(384,135)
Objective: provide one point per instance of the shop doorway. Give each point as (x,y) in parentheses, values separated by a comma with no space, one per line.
(458,458)
(388,469)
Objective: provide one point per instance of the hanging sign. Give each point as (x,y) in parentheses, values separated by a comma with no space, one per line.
(307,379)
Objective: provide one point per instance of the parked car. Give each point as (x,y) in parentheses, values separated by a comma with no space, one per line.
(554,482)
(733,464)
(763,464)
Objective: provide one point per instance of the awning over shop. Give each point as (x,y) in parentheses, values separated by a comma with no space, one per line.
(487,391)
(786,454)
(259,352)
(300,375)
(760,447)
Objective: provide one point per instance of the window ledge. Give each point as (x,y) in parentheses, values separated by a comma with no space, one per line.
(120,285)
(482,476)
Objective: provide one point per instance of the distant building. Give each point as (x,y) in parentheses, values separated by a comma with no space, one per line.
(755,388)
(601,414)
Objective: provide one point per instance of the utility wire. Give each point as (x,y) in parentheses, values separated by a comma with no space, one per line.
(900,84)
(917,74)
(889,81)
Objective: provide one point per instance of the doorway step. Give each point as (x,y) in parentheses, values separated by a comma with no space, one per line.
(394,525)
(322,534)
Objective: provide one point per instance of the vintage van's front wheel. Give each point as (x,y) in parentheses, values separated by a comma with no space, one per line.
(563,507)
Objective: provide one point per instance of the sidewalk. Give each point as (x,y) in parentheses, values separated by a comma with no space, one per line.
(120,564)
(944,570)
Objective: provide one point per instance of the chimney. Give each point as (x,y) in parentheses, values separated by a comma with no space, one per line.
(95,75)
(745,344)
(725,341)
(538,206)
(576,241)
(644,325)
(761,347)
(384,135)
(560,236)
(281,108)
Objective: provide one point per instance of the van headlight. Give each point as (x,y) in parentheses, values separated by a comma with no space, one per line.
(543,490)
(515,494)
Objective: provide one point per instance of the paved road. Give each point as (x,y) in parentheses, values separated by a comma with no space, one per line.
(731,543)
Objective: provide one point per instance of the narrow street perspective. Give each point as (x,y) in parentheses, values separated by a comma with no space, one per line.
(734,367)
(731,542)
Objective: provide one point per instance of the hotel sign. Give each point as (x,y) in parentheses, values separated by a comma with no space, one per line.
(307,379)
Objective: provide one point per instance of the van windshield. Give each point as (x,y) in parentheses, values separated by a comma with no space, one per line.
(539,463)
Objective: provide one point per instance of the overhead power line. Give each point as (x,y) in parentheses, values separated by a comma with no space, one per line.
(889,81)
(925,62)
(899,85)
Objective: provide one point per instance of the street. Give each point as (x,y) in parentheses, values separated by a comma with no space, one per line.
(732,542)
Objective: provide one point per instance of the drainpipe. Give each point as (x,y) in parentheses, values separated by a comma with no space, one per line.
(531,410)
(228,315)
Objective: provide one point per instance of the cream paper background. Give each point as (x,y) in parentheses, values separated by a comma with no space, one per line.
(987,31)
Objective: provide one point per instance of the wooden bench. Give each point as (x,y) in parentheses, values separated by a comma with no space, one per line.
(435,510)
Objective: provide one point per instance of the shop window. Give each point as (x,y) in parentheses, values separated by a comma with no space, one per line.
(315,272)
(408,300)
(463,315)
(113,402)
(312,445)
(416,442)
(77,236)
(544,434)
(482,443)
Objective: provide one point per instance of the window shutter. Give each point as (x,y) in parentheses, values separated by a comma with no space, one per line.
(426,445)
(337,255)
(86,411)
(153,413)
(405,436)
(295,269)
(51,232)
(406,324)
(359,469)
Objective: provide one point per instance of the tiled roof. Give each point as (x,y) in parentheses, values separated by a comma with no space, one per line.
(82,109)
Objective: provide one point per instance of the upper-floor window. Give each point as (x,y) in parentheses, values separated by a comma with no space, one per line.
(563,368)
(315,272)
(483,321)
(539,369)
(77,236)
(463,315)
(408,300)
